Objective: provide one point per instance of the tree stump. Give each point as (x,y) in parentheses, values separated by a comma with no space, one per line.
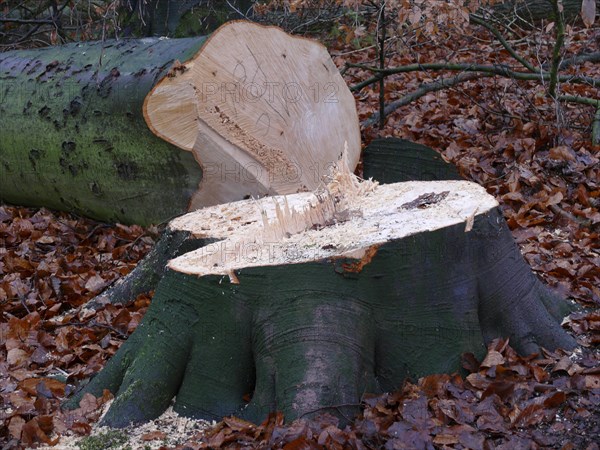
(387,160)
(306,302)
(250,111)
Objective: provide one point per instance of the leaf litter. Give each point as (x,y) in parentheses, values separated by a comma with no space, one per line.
(547,181)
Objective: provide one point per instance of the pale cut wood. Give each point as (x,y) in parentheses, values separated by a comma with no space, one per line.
(347,219)
(263,112)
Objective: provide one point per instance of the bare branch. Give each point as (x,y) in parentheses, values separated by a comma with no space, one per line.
(421,91)
(558,45)
(504,42)
(497,69)
(26,21)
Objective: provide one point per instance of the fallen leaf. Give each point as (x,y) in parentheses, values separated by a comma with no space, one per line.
(588,12)
(493,358)
(153,435)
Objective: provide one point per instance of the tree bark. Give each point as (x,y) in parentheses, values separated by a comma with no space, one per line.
(73,136)
(241,114)
(531,11)
(310,301)
(190,17)
(393,160)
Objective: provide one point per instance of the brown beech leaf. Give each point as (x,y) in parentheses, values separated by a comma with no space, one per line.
(237,424)
(588,12)
(446,439)
(530,415)
(434,385)
(469,362)
(153,435)
(16,357)
(301,443)
(33,433)
(95,283)
(81,428)
(493,358)
(502,389)
(563,364)
(15,426)
(478,381)
(592,381)
(32,386)
(562,153)
(555,400)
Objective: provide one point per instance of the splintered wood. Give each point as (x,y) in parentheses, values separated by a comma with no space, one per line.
(346,218)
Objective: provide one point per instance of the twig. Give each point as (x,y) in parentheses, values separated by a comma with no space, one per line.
(27,21)
(381,28)
(421,91)
(590,102)
(503,41)
(556,52)
(239,11)
(29,33)
(498,69)
(362,49)
(91,324)
(367,82)
(561,212)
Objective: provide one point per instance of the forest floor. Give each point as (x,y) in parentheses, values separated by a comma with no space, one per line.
(500,133)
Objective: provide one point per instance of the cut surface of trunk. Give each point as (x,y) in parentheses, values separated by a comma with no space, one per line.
(308,301)
(263,112)
(251,111)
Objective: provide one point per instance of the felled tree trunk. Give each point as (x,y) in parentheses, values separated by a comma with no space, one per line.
(308,301)
(248,112)
(185,18)
(532,11)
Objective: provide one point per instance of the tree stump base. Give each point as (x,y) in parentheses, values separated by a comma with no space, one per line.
(308,301)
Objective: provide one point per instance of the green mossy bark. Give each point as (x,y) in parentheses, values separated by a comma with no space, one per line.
(73,136)
(526,12)
(185,18)
(146,372)
(146,275)
(309,338)
(314,337)
(393,160)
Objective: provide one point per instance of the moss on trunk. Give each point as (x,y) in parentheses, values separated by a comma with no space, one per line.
(73,136)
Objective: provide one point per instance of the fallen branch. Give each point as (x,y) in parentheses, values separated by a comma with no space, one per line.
(367,82)
(504,42)
(579,59)
(573,218)
(26,21)
(501,70)
(421,91)
(590,102)
(557,50)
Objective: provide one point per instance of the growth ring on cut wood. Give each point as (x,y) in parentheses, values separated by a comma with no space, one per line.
(262,111)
